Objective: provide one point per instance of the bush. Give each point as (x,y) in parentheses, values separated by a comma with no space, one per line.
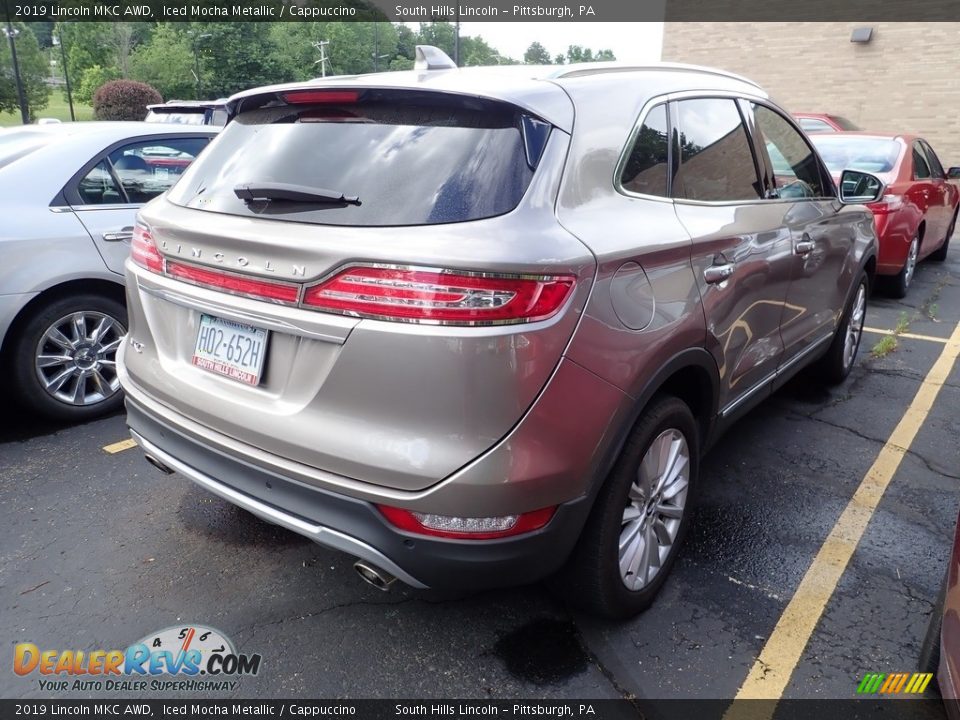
(124,100)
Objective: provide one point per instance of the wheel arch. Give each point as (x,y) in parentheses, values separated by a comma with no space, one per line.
(692,376)
(107,288)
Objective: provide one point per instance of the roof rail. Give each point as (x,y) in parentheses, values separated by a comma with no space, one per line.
(429,57)
(611,67)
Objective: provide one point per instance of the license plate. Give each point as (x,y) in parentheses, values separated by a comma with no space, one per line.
(231,349)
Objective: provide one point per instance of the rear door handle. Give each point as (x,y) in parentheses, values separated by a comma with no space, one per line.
(119,235)
(718,273)
(804,246)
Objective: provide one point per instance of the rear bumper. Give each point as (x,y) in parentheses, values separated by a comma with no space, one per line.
(355,526)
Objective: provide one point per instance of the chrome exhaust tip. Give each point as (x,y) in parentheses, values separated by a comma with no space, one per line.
(158,465)
(371,574)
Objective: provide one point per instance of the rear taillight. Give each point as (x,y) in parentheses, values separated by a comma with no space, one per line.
(887,204)
(466,528)
(447,297)
(143,250)
(234,283)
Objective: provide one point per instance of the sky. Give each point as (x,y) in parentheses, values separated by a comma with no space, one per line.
(630,41)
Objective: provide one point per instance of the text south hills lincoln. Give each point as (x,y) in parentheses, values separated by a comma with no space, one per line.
(435,11)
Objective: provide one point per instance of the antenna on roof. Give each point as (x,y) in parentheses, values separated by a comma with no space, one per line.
(429,57)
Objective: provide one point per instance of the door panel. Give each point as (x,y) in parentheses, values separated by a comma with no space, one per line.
(107,197)
(740,255)
(820,243)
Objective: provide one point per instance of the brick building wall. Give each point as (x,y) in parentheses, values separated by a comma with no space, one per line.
(906,79)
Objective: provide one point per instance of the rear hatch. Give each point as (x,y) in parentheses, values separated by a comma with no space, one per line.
(370,282)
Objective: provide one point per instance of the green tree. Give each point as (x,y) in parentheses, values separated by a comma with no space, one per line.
(90,81)
(166,62)
(536,54)
(235,56)
(33,72)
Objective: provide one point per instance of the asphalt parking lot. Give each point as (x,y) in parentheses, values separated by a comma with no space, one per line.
(99,549)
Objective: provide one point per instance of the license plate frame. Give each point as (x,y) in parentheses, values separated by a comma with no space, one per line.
(230,349)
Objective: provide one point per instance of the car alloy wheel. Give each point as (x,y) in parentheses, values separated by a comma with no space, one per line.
(654,510)
(911,264)
(854,331)
(76,358)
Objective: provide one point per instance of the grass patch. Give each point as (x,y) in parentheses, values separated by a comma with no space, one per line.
(903,324)
(57,108)
(886,345)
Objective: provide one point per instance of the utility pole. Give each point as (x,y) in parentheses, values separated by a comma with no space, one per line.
(196,59)
(321,47)
(11,33)
(58,40)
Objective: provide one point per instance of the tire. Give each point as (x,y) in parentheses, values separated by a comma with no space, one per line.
(900,283)
(929,660)
(593,578)
(81,360)
(940,254)
(836,365)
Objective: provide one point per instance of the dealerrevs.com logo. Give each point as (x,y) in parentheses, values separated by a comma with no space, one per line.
(189,658)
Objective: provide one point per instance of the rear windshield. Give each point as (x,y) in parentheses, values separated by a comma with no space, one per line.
(873,155)
(181,117)
(15,144)
(409,164)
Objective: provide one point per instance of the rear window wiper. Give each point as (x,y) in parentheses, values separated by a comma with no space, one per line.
(251,192)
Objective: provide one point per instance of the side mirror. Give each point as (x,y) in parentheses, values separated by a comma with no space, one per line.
(954,173)
(857,188)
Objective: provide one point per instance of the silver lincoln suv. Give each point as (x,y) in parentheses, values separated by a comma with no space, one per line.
(477,327)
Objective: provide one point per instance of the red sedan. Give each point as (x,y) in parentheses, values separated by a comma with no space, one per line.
(917,213)
(823,123)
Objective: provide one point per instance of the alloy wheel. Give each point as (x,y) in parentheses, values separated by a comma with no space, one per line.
(855,326)
(654,510)
(76,358)
(911,265)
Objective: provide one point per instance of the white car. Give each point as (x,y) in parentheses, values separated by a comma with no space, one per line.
(68,196)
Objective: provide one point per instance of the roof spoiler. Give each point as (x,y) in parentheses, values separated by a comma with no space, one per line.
(429,57)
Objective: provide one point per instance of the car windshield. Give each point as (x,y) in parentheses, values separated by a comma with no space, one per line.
(16,144)
(872,155)
(407,164)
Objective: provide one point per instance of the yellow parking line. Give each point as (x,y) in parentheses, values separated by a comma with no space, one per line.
(909,336)
(120,446)
(775,665)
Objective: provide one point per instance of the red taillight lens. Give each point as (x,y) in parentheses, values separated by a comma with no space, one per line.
(466,528)
(143,251)
(887,204)
(311,97)
(233,283)
(439,296)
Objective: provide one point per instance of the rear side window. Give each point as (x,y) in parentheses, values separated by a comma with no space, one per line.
(921,171)
(716,163)
(645,171)
(936,169)
(418,163)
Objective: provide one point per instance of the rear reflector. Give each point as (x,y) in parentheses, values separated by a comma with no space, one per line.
(143,251)
(445,297)
(310,97)
(466,528)
(233,283)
